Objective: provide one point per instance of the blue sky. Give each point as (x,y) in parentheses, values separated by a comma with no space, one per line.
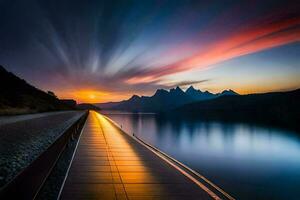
(96,51)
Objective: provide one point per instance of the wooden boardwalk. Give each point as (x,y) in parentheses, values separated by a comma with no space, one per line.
(109,164)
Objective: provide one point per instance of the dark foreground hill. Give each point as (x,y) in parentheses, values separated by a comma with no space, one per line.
(277,108)
(18,97)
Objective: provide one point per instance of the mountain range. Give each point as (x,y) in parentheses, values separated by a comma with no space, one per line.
(163,100)
(275,108)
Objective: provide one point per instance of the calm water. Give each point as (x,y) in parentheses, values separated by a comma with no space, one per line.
(249,162)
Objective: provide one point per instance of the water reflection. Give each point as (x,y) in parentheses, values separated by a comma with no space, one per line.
(248,161)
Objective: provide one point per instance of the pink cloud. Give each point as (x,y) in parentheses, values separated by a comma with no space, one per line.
(242,42)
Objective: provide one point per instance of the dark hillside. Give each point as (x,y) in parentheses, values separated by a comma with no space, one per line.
(18,97)
(282,108)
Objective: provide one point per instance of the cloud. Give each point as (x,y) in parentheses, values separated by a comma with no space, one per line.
(186,83)
(135,77)
(248,41)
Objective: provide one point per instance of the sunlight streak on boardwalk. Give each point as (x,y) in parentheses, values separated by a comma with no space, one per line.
(109,164)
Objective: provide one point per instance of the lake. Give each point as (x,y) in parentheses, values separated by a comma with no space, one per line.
(247,161)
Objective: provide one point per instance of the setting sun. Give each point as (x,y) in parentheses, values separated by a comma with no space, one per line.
(91,95)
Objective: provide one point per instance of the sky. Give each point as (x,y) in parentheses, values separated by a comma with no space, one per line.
(99,51)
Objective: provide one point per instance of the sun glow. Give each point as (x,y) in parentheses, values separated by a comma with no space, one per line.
(92,95)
